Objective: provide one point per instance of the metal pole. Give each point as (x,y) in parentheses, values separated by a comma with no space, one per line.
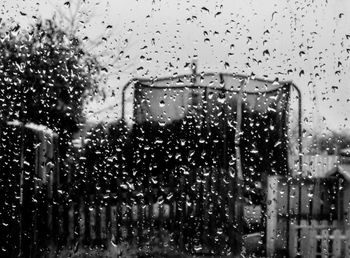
(21,193)
(23,122)
(300,155)
(239,174)
(238,132)
(300,132)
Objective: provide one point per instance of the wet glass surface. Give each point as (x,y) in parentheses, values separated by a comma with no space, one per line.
(174,128)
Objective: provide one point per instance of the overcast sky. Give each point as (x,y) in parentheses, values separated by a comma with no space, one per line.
(304,41)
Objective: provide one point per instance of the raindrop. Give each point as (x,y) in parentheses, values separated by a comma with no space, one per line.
(218,13)
(249,39)
(266,53)
(276,82)
(232,172)
(198,248)
(334,88)
(205,9)
(273,15)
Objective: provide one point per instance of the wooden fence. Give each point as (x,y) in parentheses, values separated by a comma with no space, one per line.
(318,239)
(196,213)
(318,165)
(298,205)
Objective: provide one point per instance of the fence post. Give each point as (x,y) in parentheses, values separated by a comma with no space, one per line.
(82,222)
(271,212)
(293,240)
(347,243)
(113,223)
(312,243)
(92,222)
(304,241)
(103,224)
(336,243)
(71,224)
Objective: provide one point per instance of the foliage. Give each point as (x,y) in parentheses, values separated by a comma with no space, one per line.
(331,142)
(45,76)
(105,145)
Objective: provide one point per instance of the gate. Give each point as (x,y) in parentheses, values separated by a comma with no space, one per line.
(306,217)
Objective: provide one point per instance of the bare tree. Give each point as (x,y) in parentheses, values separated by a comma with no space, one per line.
(76,16)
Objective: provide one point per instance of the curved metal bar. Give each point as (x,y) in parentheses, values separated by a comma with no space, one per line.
(242,76)
(216,88)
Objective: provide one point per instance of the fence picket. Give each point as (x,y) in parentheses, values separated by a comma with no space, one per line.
(160,222)
(82,229)
(312,238)
(347,243)
(181,212)
(98,223)
(170,200)
(92,223)
(293,240)
(61,231)
(71,222)
(140,221)
(294,199)
(304,241)
(129,220)
(113,220)
(135,217)
(271,230)
(336,247)
(325,243)
(134,212)
(206,205)
(316,201)
(49,218)
(103,225)
(304,205)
